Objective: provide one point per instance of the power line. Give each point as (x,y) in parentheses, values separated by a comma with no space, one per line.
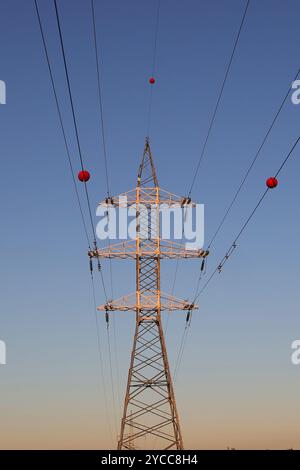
(156,36)
(251,166)
(100,354)
(153,66)
(74,117)
(219,99)
(80,152)
(99,87)
(186,330)
(96,48)
(185,333)
(172,293)
(234,243)
(100,96)
(180,351)
(61,122)
(78,200)
(77,138)
(112,382)
(229,252)
(176,268)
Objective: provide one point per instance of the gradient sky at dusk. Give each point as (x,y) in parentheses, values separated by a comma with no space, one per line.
(236,386)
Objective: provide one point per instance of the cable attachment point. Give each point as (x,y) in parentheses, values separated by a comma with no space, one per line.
(186,201)
(109,201)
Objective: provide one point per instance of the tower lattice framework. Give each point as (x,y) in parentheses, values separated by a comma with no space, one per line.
(150,409)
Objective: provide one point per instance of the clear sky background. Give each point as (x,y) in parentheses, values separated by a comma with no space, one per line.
(236,386)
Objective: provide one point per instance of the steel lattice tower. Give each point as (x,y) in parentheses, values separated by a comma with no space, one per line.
(150,407)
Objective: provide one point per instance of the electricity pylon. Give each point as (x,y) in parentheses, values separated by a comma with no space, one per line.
(149,407)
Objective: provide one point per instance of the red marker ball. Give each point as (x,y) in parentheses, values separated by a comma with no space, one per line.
(84,176)
(272,182)
(152,80)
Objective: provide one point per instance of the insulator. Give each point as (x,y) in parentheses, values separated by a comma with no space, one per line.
(99,265)
(183,201)
(203,264)
(91,265)
(106,317)
(188,316)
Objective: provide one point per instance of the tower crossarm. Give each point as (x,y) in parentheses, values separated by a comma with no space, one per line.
(128,249)
(147,196)
(148,303)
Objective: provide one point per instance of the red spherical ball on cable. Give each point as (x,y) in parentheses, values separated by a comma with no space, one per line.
(151,80)
(84,176)
(272,182)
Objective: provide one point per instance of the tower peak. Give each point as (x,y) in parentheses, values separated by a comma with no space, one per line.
(147,174)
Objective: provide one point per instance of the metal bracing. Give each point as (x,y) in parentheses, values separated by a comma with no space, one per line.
(127,249)
(148,301)
(149,407)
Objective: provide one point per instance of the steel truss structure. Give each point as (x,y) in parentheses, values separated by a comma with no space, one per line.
(149,408)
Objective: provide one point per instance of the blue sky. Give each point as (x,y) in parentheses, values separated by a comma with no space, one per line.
(236,385)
